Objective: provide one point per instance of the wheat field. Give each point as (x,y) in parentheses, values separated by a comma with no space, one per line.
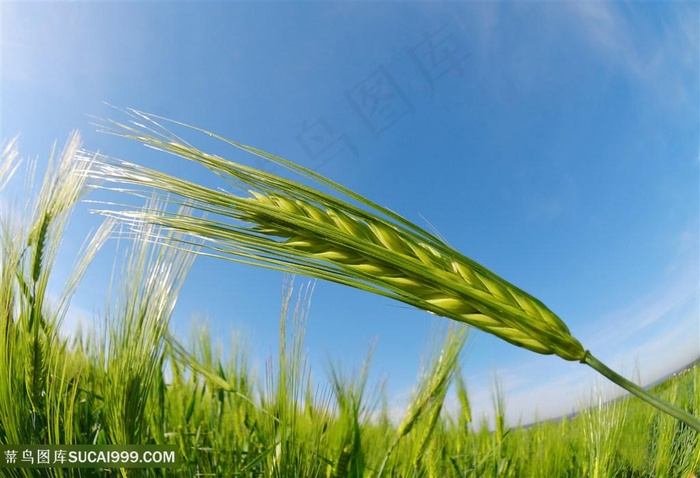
(129,381)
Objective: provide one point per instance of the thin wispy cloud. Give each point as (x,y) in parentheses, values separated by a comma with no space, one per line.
(653,53)
(527,400)
(675,291)
(651,58)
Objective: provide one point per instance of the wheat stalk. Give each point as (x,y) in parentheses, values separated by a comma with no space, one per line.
(286,225)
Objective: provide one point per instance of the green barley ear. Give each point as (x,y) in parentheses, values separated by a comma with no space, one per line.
(334,234)
(287,226)
(429,397)
(465,412)
(32,352)
(435,380)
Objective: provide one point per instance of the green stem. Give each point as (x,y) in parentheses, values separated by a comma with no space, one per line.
(386,457)
(635,389)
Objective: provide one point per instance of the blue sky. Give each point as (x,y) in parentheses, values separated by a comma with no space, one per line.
(555,143)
